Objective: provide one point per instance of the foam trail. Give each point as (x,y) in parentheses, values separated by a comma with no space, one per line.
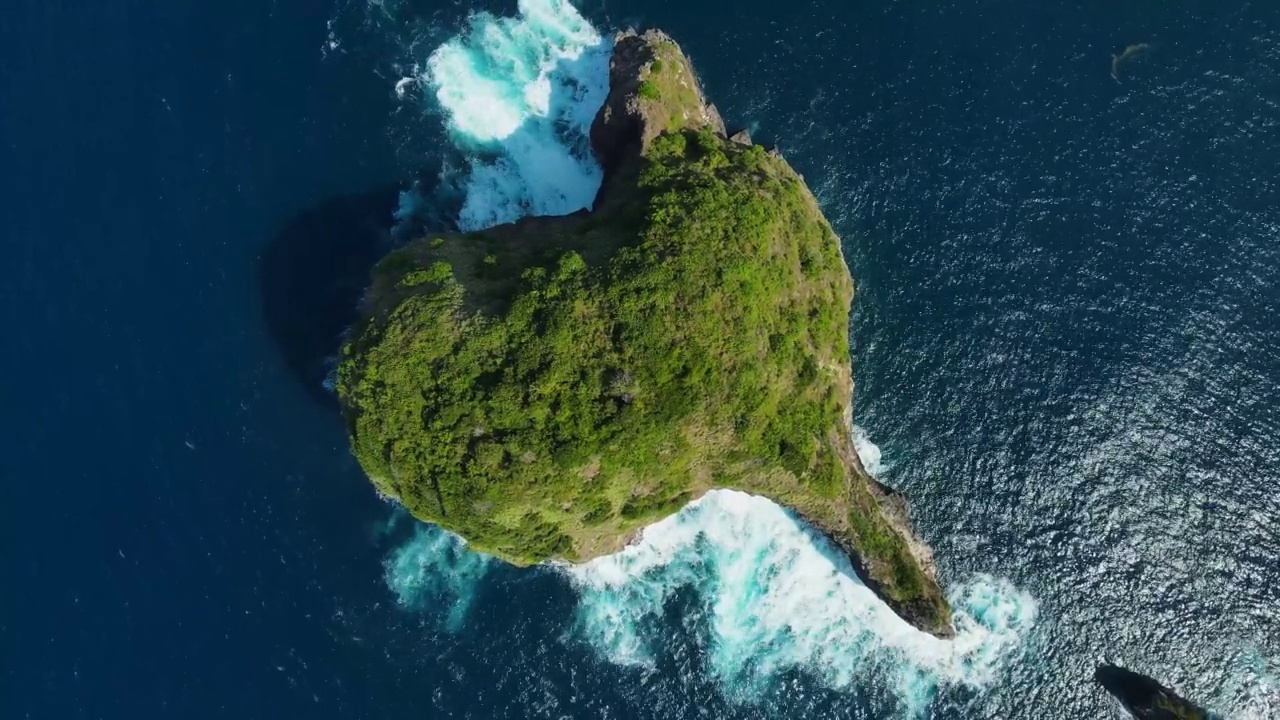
(435,570)
(777,597)
(519,95)
(409,205)
(1254,691)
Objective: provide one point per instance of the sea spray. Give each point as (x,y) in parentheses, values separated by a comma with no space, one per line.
(518,95)
(776,597)
(868,453)
(434,570)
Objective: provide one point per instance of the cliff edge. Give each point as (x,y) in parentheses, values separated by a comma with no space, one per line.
(545,389)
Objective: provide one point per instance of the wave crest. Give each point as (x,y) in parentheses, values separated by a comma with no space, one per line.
(520,94)
(775,596)
(435,570)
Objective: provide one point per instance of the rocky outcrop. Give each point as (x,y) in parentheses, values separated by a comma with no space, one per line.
(652,89)
(1145,698)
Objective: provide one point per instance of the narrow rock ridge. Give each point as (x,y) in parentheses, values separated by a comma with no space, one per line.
(893,504)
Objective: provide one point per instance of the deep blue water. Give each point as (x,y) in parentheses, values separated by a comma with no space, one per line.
(1065,346)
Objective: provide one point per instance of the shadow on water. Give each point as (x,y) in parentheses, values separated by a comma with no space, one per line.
(313,274)
(316,268)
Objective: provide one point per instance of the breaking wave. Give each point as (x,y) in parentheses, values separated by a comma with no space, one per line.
(519,95)
(868,452)
(777,597)
(434,570)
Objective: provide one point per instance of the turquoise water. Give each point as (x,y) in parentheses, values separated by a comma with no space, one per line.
(520,94)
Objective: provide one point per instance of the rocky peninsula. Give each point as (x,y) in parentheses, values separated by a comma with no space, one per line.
(547,388)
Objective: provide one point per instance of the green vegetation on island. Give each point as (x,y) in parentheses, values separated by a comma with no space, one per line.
(545,389)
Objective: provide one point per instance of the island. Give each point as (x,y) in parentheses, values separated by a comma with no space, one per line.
(548,388)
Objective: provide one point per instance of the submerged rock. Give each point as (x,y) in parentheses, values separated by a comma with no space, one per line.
(545,389)
(1145,698)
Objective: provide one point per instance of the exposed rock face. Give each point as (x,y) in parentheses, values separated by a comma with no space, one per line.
(644,102)
(545,389)
(1145,698)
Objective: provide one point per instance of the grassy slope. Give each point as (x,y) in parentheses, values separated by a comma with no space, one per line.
(547,388)
(669,89)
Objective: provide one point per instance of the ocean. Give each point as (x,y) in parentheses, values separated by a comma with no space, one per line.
(1064,339)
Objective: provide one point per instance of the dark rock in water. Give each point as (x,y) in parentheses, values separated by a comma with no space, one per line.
(1146,698)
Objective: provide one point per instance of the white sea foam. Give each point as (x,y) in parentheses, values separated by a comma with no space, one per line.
(868,452)
(435,570)
(778,597)
(403,85)
(519,95)
(409,205)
